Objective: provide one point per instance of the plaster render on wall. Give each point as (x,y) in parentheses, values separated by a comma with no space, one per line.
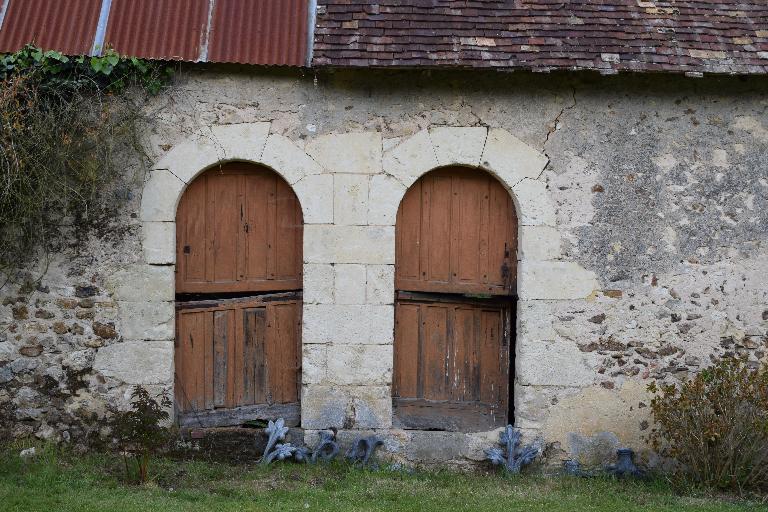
(657,247)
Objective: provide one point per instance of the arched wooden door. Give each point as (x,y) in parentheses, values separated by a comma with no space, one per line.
(238,282)
(456,255)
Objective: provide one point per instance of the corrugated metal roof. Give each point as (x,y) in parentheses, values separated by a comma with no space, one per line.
(65,25)
(158,29)
(269,32)
(264,31)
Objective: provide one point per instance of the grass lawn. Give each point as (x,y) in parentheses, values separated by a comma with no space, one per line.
(59,481)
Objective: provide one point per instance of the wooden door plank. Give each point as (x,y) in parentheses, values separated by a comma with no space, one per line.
(254,376)
(439,255)
(272,230)
(256,208)
(283,355)
(490,345)
(406,349)
(254,325)
(220,357)
(463,348)
(434,349)
(483,252)
(209,357)
(226,220)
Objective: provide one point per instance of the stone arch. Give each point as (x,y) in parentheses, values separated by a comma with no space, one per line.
(167,181)
(543,274)
(246,142)
(515,164)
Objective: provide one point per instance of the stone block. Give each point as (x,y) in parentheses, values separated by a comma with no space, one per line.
(349,284)
(539,243)
(315,193)
(360,364)
(534,206)
(356,153)
(349,244)
(158,241)
(535,320)
(323,407)
(346,324)
(510,158)
(384,199)
(142,283)
(346,407)
(318,283)
(137,362)
(314,364)
(350,199)
(411,158)
(285,157)
(160,196)
(380,284)
(146,320)
(558,280)
(458,145)
(210,146)
(546,363)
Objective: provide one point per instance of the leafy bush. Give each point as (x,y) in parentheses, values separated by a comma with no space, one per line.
(716,426)
(140,432)
(63,122)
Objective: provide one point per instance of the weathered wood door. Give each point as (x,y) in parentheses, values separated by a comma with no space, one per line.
(238,229)
(238,284)
(456,253)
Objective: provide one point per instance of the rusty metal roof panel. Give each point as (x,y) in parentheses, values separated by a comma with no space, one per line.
(272,32)
(266,32)
(64,25)
(158,29)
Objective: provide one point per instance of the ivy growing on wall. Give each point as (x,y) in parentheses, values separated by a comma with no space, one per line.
(69,129)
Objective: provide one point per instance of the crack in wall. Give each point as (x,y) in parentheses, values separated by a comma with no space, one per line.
(553,126)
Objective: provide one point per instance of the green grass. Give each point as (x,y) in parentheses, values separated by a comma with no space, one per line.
(60,481)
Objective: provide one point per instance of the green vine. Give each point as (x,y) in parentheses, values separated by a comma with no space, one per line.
(70,131)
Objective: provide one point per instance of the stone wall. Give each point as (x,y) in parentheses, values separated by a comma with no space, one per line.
(643,214)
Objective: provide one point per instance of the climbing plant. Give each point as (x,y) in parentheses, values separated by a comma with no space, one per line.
(69,128)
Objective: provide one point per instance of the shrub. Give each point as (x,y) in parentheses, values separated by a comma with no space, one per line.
(69,128)
(140,432)
(715,426)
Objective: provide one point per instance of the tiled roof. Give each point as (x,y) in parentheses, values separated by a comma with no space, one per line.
(609,36)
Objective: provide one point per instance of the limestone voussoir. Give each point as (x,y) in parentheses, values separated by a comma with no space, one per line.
(287,159)
(458,145)
(384,198)
(410,159)
(315,193)
(221,143)
(160,196)
(510,158)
